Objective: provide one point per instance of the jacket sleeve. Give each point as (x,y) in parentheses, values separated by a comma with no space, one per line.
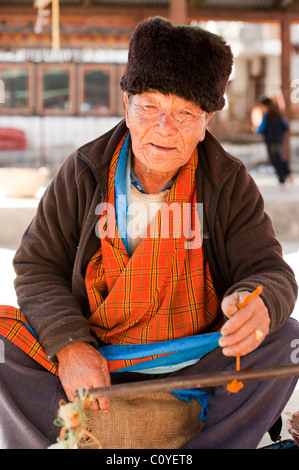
(44,263)
(254,253)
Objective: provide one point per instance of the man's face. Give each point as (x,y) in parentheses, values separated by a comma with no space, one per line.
(165,129)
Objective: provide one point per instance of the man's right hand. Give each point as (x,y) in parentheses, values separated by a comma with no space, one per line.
(81,366)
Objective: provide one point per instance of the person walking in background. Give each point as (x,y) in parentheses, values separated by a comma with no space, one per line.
(274,127)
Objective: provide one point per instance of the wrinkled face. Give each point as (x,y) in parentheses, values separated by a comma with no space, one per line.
(165,129)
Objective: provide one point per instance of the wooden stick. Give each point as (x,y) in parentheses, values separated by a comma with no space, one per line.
(195,381)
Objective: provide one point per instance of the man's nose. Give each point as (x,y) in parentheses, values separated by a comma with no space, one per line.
(166,123)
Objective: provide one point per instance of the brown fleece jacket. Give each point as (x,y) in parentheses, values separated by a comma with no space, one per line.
(238,239)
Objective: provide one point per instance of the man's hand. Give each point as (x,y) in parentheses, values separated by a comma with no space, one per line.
(80,366)
(246,327)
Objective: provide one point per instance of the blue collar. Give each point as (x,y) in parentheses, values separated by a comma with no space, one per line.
(138,185)
(122,195)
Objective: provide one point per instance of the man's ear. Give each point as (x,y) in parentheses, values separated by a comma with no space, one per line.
(210,116)
(126,101)
(204,127)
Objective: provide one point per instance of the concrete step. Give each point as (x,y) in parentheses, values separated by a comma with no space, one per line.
(15,216)
(282,205)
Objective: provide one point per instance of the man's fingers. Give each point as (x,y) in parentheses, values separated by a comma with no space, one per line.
(242,341)
(69,394)
(245,346)
(104,404)
(236,321)
(246,327)
(231,310)
(230,305)
(96,404)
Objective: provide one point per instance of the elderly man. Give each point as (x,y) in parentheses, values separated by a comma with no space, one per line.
(86,279)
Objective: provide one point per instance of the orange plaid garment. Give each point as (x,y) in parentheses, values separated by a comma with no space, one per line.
(13,327)
(164,290)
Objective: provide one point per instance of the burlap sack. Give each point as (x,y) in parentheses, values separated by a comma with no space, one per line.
(155,421)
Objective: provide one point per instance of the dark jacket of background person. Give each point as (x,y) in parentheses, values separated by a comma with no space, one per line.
(274,132)
(274,127)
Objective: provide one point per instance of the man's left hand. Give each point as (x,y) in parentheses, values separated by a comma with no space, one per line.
(246,327)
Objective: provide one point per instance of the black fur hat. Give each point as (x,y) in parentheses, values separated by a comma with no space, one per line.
(186,61)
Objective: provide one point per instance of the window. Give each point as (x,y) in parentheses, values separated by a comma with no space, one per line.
(16,89)
(96,89)
(56,85)
(61,89)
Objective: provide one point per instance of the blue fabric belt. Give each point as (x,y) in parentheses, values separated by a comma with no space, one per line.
(177,351)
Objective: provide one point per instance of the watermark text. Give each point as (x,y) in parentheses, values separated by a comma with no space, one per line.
(2,354)
(169,220)
(295,352)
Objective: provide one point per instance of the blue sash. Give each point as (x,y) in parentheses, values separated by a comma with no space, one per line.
(177,351)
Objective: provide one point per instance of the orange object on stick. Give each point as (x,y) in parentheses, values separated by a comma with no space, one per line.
(234,386)
(250,296)
(238,362)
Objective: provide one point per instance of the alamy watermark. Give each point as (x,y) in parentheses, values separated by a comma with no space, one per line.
(295,352)
(295,92)
(175,220)
(2,353)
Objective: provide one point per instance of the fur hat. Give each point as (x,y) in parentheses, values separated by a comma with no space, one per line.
(186,61)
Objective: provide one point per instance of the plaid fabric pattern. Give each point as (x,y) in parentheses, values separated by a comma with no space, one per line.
(13,327)
(163,291)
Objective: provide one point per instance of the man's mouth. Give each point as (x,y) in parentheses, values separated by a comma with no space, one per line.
(162,147)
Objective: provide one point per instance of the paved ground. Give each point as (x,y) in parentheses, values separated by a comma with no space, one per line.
(282,204)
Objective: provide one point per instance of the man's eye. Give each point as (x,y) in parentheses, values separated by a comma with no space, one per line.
(149,109)
(186,113)
(145,107)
